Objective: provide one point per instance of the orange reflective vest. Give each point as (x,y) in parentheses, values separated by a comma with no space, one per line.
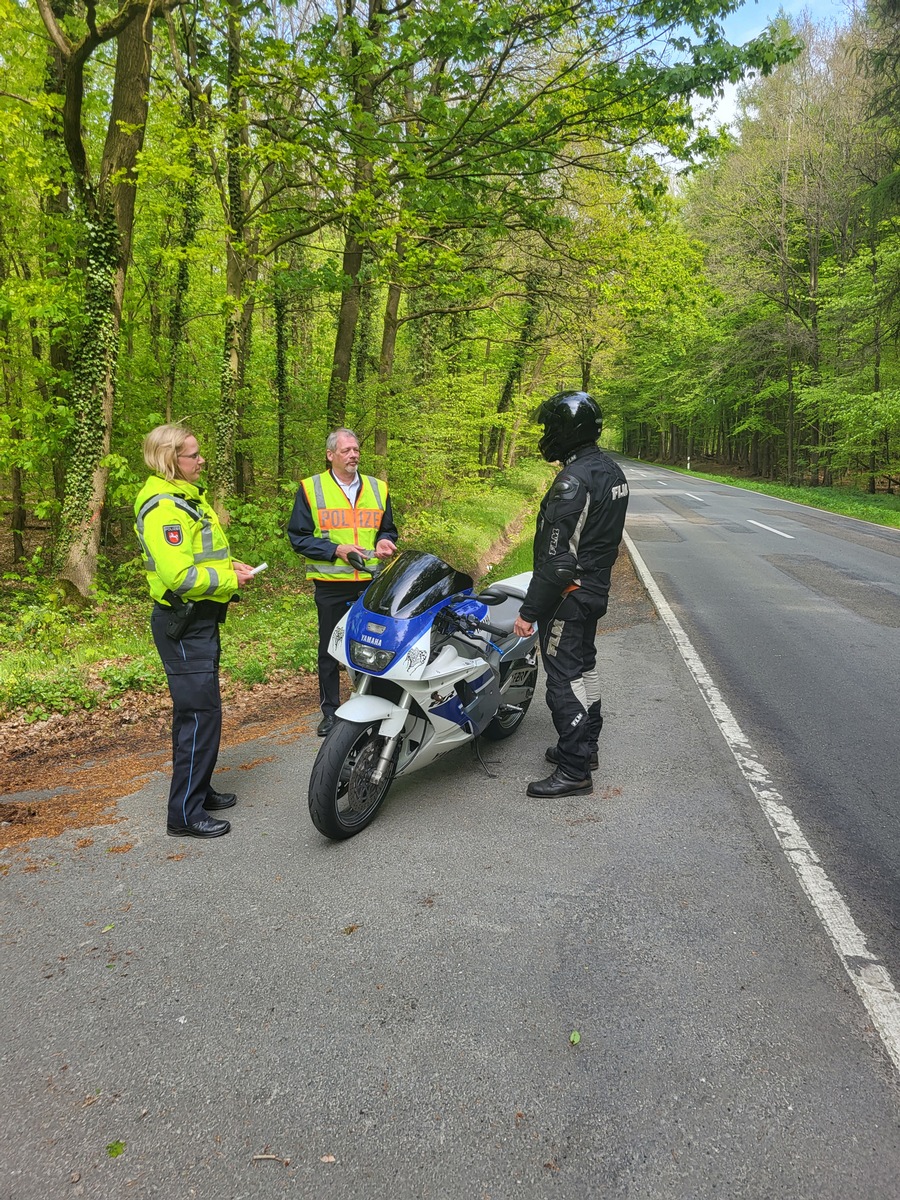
(344,523)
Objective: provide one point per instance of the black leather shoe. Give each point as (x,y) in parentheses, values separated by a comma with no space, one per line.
(559,784)
(325,726)
(216,800)
(552,755)
(201,829)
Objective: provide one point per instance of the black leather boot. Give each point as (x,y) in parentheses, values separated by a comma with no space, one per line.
(552,755)
(559,784)
(216,800)
(209,828)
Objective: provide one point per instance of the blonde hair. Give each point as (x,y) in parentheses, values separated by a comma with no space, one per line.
(161,448)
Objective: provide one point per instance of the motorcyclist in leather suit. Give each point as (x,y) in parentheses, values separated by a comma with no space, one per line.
(579,528)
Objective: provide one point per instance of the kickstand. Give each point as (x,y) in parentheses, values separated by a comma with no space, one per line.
(476,751)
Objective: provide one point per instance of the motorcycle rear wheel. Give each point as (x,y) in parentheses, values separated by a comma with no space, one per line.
(508,719)
(343,798)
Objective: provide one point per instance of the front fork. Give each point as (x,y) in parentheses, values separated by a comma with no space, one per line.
(390,744)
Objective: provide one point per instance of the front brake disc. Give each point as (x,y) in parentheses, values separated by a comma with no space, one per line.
(363,790)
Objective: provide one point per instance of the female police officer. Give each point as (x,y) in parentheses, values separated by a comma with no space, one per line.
(192,577)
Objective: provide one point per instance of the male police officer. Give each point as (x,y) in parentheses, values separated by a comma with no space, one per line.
(579,529)
(335,514)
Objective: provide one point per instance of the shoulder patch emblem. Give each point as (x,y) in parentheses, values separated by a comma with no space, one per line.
(173,534)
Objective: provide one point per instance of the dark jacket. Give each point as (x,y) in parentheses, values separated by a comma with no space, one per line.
(579,528)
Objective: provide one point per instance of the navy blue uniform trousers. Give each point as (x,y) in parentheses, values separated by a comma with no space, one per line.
(332,601)
(569,655)
(192,671)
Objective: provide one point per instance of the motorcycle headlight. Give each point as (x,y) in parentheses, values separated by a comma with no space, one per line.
(370,658)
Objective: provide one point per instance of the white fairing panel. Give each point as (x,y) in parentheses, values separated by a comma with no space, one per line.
(338,641)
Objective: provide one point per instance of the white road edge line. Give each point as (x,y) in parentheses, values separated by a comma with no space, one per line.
(869,975)
(760,525)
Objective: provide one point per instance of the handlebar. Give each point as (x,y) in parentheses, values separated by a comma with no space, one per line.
(465,624)
(492,629)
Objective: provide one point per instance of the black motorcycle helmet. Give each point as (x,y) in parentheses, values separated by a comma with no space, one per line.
(570,420)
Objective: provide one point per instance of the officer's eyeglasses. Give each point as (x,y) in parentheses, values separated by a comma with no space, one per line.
(197,455)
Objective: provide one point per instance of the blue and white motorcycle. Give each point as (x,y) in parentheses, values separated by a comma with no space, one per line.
(428,672)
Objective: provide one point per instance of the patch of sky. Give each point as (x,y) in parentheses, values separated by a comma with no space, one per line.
(749,21)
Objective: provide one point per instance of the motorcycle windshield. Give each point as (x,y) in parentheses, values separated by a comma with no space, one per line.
(411,583)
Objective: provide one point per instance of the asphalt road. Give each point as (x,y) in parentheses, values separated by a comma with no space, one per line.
(796,612)
(275,1015)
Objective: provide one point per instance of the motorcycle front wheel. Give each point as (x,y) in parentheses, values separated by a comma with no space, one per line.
(343,795)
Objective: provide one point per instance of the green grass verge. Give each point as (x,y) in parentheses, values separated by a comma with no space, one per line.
(56,660)
(519,559)
(878,510)
(463,529)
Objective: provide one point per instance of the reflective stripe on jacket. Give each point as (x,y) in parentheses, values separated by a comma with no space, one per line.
(185,549)
(344,523)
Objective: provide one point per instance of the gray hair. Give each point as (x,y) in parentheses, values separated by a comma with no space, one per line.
(331,440)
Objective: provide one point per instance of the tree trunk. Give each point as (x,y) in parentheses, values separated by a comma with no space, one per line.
(497,439)
(360,53)
(348,314)
(587,362)
(223,473)
(57,212)
(362,344)
(17,510)
(876,362)
(110,220)
(389,331)
(279,304)
(190,223)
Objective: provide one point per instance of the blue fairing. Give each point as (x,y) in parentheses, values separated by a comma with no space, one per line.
(395,633)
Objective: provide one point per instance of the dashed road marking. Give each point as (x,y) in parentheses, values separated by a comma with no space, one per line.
(760,525)
(869,975)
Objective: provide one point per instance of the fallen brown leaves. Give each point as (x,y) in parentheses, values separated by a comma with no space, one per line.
(93,759)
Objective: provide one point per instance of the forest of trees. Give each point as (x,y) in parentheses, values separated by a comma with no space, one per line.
(784,360)
(418,218)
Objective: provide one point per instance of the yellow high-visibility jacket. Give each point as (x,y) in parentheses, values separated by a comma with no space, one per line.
(343,523)
(185,548)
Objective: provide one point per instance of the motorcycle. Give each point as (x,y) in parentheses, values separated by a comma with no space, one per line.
(428,674)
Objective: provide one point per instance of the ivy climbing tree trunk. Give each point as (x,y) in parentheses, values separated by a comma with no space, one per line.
(107,206)
(57,213)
